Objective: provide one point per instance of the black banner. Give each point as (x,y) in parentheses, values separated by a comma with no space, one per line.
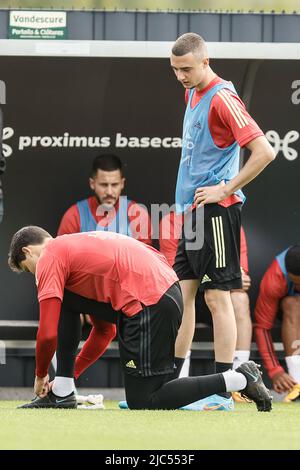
(62,112)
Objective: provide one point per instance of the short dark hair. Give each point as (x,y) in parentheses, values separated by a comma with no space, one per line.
(292,260)
(188,42)
(106,162)
(31,235)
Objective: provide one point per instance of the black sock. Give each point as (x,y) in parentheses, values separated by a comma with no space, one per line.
(179,361)
(223,367)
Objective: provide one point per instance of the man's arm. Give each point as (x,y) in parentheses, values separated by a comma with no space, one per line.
(272,289)
(46,342)
(98,341)
(261,155)
(51,274)
(70,223)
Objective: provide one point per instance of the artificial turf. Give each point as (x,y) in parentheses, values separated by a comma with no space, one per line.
(244,428)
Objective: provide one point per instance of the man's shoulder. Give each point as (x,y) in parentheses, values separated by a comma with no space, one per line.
(50,255)
(275,273)
(72,209)
(133,205)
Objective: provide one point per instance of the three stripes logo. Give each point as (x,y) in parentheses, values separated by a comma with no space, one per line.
(131,364)
(234,107)
(198,125)
(219,242)
(205,278)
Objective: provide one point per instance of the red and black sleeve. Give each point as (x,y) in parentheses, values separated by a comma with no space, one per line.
(273,289)
(98,341)
(46,340)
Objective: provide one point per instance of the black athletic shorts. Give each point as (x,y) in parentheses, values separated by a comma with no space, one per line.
(217,263)
(147,340)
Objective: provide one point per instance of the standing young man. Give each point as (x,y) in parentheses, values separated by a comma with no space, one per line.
(216,125)
(140,285)
(170,229)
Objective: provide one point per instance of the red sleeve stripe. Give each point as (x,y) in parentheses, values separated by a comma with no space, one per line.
(234,109)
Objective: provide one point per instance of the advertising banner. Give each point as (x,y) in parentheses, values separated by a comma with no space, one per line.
(37,25)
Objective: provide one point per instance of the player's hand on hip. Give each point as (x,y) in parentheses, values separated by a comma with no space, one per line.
(283,382)
(210,194)
(41,386)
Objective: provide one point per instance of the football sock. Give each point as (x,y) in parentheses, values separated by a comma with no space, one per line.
(293,365)
(179,361)
(63,386)
(240,356)
(186,366)
(220,368)
(234,381)
(54,362)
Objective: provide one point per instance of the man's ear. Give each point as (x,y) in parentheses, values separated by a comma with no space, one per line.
(92,184)
(26,250)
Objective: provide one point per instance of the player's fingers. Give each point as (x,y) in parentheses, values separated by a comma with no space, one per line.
(286,385)
(291,383)
(198,197)
(199,200)
(199,190)
(278,387)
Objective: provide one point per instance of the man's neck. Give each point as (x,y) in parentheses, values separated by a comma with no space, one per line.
(206,81)
(46,241)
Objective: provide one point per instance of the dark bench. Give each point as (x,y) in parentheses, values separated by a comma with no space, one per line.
(19,340)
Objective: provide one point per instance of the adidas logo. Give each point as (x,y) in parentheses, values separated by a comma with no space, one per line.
(198,125)
(131,365)
(205,278)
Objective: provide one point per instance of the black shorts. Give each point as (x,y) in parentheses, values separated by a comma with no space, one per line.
(217,263)
(147,340)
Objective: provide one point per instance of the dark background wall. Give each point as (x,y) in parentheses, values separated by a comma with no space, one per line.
(134,97)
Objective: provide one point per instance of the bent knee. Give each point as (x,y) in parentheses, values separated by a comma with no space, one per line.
(138,403)
(291,306)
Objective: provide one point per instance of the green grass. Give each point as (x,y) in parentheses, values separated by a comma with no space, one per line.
(112,428)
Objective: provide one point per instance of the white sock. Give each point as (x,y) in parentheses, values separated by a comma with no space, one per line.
(293,365)
(240,357)
(63,386)
(54,362)
(185,370)
(234,381)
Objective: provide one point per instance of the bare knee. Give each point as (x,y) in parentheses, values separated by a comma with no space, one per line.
(291,309)
(189,290)
(241,306)
(216,300)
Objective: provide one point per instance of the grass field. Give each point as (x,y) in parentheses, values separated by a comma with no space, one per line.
(116,429)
